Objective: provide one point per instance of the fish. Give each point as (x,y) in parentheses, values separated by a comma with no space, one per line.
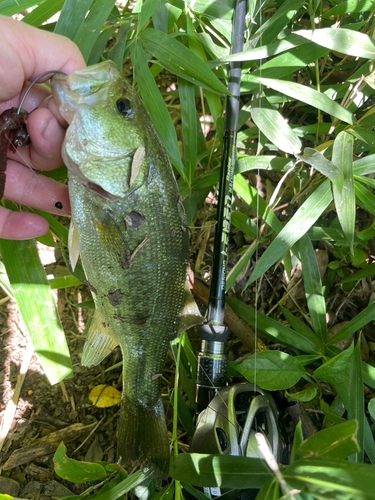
(129,227)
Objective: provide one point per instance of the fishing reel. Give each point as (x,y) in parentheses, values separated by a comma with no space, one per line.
(228,426)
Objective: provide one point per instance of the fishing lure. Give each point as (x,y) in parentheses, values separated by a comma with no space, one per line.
(13,132)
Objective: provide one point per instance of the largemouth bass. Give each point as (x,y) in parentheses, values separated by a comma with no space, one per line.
(128,225)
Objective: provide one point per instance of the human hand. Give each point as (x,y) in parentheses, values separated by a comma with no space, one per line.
(26,53)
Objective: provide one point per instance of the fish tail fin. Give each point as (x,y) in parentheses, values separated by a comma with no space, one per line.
(143,437)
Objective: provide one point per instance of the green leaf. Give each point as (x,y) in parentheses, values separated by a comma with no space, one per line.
(368,270)
(307,95)
(189,127)
(285,45)
(224,471)
(329,414)
(92,25)
(100,45)
(371,408)
(116,54)
(156,107)
(332,478)
(193,491)
(297,440)
(269,120)
(244,223)
(183,412)
(298,225)
(178,59)
(165,493)
(350,6)
(249,195)
(342,40)
(313,288)
(350,391)
(363,134)
(11,7)
(335,370)
(368,375)
(75,471)
(304,396)
(338,441)
(277,331)
(290,61)
(270,491)
(72,17)
(64,282)
(127,484)
(365,197)
(37,307)
(275,370)
(300,327)
(43,12)
(322,165)
(147,10)
(365,316)
(55,227)
(343,193)
(365,165)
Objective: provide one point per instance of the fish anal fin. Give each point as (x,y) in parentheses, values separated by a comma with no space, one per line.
(73,245)
(99,342)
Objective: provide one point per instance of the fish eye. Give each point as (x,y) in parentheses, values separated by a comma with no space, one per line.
(123,106)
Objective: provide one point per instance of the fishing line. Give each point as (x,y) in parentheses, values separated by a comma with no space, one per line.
(38,176)
(257,212)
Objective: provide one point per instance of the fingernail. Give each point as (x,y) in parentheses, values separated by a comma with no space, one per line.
(51,130)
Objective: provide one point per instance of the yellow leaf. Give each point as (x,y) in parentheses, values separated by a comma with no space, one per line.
(103,396)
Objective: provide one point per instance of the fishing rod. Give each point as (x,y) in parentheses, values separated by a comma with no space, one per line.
(228,417)
(212,362)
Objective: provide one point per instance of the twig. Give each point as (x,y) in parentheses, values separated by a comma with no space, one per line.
(266,452)
(11,406)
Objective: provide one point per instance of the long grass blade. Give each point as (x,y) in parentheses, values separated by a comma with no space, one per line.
(300,223)
(344,194)
(178,59)
(37,308)
(189,127)
(92,25)
(349,42)
(156,107)
(72,17)
(313,288)
(43,12)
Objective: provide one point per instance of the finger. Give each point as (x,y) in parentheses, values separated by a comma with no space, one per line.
(35,98)
(26,52)
(21,226)
(46,135)
(25,186)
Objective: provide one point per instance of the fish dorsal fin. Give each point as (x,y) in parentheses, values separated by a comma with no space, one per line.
(99,342)
(190,315)
(73,245)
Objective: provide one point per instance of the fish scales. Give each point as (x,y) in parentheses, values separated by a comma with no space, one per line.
(129,227)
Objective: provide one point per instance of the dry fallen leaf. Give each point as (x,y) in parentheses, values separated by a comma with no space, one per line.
(103,396)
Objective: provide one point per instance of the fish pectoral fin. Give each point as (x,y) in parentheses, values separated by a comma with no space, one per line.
(190,315)
(114,241)
(99,342)
(73,245)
